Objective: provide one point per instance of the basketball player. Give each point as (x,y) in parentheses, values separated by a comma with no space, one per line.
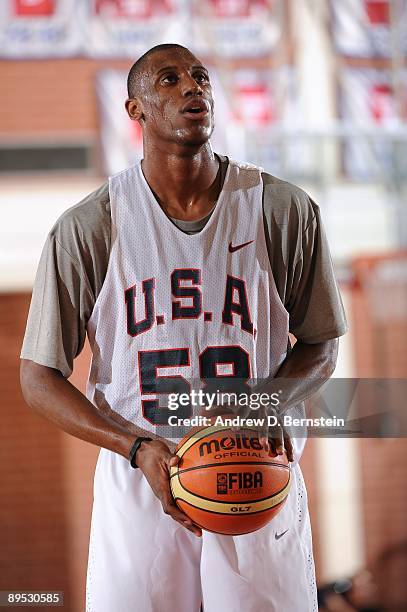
(182,264)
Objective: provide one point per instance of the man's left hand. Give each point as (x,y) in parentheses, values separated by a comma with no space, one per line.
(275,438)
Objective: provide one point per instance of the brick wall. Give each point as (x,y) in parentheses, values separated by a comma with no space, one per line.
(379,311)
(50,97)
(384,474)
(45,482)
(32,512)
(309,470)
(379,332)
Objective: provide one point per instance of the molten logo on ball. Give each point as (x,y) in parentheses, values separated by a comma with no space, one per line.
(238,441)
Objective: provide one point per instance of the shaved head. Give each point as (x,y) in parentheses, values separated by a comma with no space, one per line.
(139,66)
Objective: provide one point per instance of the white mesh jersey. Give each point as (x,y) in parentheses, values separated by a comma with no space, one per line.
(188,306)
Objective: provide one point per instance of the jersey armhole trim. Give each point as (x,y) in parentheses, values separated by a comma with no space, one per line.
(112,247)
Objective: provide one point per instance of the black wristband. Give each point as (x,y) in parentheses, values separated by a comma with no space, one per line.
(134,449)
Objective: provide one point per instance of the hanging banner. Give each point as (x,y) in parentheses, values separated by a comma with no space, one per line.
(237,28)
(266,104)
(368,103)
(41,28)
(128,28)
(361,28)
(243,101)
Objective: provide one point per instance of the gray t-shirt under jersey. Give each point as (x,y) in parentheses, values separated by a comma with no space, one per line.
(75,256)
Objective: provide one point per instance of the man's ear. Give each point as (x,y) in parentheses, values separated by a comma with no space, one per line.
(134,110)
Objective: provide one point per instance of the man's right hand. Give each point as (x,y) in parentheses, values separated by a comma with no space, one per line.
(154,459)
(46,390)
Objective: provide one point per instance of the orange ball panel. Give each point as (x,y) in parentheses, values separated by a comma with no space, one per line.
(226,524)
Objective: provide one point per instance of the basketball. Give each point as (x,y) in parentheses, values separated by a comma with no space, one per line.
(226,483)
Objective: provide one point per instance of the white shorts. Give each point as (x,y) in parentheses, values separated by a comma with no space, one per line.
(141,560)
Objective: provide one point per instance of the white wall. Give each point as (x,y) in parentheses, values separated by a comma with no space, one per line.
(29,206)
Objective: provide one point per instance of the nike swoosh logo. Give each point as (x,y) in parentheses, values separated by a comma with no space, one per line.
(280,535)
(232,249)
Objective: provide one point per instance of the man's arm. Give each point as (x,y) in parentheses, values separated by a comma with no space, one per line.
(55,398)
(304,371)
(304,277)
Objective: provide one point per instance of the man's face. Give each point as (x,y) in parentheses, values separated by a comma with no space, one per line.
(176,98)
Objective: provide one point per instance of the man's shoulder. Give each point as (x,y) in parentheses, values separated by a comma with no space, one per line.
(281,199)
(86,220)
(286,200)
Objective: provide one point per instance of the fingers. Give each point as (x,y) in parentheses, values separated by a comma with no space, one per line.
(277,445)
(281,442)
(170,508)
(173,461)
(289,448)
(156,464)
(271,438)
(263,430)
(175,513)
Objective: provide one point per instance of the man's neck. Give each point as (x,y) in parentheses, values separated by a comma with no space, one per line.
(186,186)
